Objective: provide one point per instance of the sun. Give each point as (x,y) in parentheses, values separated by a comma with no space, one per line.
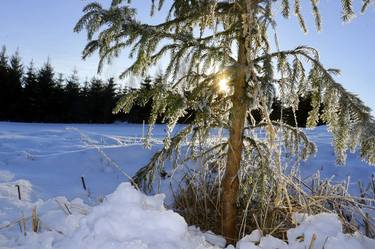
(223,85)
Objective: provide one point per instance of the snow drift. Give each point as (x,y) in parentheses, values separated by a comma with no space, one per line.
(128,219)
(322,231)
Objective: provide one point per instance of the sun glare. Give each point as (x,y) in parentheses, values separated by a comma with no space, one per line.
(223,85)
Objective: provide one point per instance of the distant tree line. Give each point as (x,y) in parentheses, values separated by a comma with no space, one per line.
(291,117)
(40,95)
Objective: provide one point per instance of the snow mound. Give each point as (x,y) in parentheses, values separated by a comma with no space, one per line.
(316,232)
(130,219)
(127,219)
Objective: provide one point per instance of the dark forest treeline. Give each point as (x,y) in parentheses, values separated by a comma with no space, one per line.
(28,94)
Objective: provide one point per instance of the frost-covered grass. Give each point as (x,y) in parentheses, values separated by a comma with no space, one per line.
(48,160)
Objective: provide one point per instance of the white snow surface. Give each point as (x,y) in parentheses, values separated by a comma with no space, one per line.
(47,162)
(316,232)
(128,219)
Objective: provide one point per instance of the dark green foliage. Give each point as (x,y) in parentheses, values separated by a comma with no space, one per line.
(72,99)
(141,112)
(101,99)
(298,117)
(39,96)
(30,94)
(11,79)
(3,82)
(46,94)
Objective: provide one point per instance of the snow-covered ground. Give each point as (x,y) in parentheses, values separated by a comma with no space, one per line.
(53,157)
(48,160)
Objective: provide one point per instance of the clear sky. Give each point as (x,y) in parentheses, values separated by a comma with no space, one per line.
(42,29)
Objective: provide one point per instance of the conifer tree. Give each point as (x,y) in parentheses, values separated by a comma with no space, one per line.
(3,81)
(85,101)
(142,111)
(3,57)
(11,84)
(221,65)
(108,103)
(30,93)
(45,93)
(14,93)
(58,95)
(95,99)
(37,96)
(16,70)
(72,100)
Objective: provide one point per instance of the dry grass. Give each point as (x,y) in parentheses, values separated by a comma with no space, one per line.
(271,207)
(34,221)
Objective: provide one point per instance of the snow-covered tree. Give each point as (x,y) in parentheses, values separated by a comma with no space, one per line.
(219,62)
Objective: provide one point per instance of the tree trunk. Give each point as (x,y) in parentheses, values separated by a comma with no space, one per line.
(235,142)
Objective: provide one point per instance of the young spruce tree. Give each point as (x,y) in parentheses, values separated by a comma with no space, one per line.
(220,64)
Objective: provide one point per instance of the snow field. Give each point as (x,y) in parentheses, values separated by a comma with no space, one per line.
(47,161)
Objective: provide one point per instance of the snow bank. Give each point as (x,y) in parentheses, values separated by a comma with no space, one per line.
(128,219)
(316,232)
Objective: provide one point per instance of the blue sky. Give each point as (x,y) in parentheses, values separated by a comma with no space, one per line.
(42,29)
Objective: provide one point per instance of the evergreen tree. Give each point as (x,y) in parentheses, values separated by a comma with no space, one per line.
(3,82)
(95,99)
(14,96)
(16,70)
(141,112)
(220,51)
(73,99)
(40,97)
(297,117)
(45,94)
(58,99)
(30,93)
(3,57)
(109,100)
(86,116)
(11,86)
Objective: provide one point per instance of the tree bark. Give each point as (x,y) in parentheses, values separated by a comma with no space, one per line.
(238,114)
(235,142)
